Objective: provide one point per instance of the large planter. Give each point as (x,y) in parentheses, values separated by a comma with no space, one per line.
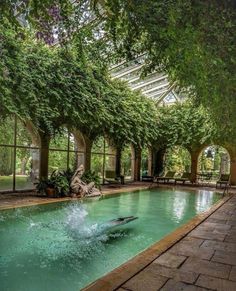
(50,192)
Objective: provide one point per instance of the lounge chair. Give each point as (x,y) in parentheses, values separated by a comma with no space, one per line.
(223,180)
(112,178)
(146,178)
(184,178)
(166,178)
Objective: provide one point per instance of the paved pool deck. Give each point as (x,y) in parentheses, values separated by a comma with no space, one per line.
(200,255)
(23,199)
(202,259)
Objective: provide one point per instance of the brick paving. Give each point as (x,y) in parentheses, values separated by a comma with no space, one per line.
(203,260)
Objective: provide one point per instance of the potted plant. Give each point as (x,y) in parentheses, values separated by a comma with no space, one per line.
(58,185)
(46,187)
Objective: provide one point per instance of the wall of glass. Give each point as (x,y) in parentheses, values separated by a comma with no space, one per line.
(144,162)
(19,155)
(126,163)
(103,158)
(65,151)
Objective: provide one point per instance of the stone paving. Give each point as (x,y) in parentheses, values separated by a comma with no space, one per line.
(203,260)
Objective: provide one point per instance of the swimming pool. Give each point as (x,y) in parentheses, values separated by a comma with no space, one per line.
(62,246)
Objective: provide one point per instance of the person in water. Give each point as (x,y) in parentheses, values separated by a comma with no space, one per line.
(79,187)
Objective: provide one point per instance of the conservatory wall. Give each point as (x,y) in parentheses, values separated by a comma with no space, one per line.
(19,155)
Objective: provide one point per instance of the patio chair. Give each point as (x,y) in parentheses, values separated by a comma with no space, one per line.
(184,178)
(146,178)
(223,180)
(166,178)
(112,178)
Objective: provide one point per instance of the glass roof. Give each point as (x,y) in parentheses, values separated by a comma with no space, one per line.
(154,85)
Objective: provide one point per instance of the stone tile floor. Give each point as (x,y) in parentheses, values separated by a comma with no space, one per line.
(204,260)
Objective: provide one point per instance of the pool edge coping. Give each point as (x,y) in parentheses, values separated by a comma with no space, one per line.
(117,277)
(63,199)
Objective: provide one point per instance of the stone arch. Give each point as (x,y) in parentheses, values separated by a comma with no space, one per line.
(213,153)
(80,146)
(214,159)
(35,136)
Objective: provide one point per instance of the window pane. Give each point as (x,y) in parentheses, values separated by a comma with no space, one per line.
(57,161)
(7,131)
(6,168)
(110,163)
(73,161)
(73,146)
(144,162)
(126,163)
(97,164)
(27,168)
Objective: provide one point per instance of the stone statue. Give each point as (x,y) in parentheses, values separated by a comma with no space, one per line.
(79,187)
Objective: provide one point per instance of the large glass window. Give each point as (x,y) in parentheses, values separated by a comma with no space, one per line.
(126,163)
(103,158)
(144,162)
(6,168)
(19,155)
(64,152)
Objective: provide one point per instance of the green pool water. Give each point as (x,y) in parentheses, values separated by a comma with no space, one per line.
(58,246)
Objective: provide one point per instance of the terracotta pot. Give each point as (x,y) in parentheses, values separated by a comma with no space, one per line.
(50,192)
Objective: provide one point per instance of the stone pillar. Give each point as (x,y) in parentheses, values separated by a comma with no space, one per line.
(79,146)
(137,164)
(158,161)
(88,150)
(150,161)
(231,148)
(194,164)
(44,155)
(118,162)
(233,170)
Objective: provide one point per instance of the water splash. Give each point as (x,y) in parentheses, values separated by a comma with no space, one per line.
(79,228)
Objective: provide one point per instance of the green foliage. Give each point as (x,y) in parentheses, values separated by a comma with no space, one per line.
(178,159)
(59,181)
(6,161)
(186,125)
(193,41)
(91,176)
(69,86)
(63,86)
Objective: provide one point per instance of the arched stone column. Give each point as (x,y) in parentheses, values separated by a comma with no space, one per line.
(88,151)
(232,152)
(194,152)
(80,147)
(35,153)
(44,154)
(118,161)
(158,160)
(150,161)
(136,163)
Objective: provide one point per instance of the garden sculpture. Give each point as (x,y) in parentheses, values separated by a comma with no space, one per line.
(79,187)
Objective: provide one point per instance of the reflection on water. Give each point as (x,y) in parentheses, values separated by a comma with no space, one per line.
(204,200)
(179,205)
